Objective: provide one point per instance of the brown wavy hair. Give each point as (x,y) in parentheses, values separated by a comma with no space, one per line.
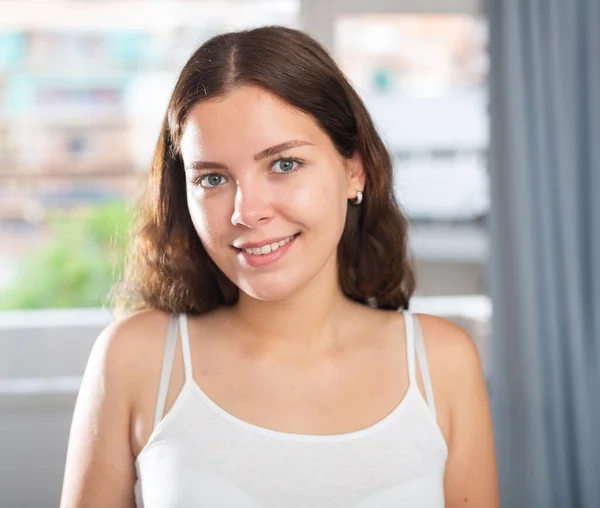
(167,267)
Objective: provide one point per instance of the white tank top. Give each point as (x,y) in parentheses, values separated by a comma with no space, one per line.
(199,455)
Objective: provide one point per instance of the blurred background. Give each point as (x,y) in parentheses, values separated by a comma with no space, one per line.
(83,88)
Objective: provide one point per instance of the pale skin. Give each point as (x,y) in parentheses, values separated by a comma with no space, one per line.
(294,355)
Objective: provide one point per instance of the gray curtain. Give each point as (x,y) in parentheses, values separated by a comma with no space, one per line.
(545,250)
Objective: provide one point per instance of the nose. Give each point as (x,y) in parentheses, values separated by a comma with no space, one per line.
(252,205)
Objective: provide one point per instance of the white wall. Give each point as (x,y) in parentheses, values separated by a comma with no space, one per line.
(42,356)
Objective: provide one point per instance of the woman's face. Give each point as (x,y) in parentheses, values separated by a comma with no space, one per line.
(263,176)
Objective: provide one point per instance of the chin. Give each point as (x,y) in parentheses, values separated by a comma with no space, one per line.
(269,289)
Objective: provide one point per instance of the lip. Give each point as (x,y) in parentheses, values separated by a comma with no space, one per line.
(258,245)
(257,261)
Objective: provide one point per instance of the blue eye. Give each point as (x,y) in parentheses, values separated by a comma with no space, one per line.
(284,165)
(212,180)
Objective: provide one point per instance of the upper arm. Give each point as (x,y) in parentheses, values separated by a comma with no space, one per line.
(471,473)
(100,467)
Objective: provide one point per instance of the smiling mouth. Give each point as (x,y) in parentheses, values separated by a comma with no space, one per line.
(267,249)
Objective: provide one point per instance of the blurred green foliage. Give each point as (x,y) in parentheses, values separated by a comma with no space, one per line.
(80,264)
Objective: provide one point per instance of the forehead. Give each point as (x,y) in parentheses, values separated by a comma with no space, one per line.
(248,117)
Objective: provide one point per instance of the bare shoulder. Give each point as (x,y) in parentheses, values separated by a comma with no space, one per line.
(130,344)
(450,348)
(100,471)
(457,377)
(451,351)
(454,363)
(140,326)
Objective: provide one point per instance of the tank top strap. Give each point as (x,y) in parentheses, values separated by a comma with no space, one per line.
(185,347)
(167,365)
(415,342)
(410,347)
(424,365)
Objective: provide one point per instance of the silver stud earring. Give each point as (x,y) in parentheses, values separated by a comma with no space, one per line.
(358,199)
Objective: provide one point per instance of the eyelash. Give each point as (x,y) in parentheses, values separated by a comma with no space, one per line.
(299,162)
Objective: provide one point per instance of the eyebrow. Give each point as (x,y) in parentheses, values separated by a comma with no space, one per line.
(267,152)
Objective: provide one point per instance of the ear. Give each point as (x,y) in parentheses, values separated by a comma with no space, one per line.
(355,175)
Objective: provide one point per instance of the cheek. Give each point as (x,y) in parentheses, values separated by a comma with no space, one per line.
(318,203)
(207,221)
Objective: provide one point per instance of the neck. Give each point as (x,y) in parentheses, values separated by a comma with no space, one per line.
(307,324)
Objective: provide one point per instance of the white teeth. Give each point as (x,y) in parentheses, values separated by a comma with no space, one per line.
(266,249)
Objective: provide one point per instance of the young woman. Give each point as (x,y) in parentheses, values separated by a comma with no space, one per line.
(267,364)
